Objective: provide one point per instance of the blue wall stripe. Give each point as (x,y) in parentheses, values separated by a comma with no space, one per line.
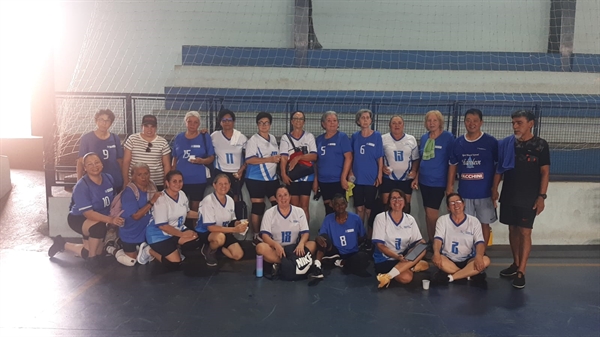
(384,59)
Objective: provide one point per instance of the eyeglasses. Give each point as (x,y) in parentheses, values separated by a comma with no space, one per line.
(457,202)
(149,148)
(264,123)
(397,199)
(225,120)
(298,119)
(104,120)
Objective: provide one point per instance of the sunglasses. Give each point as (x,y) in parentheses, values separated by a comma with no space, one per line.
(149,148)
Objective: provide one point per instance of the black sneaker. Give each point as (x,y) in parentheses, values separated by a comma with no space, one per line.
(275,271)
(57,246)
(317,272)
(519,281)
(256,241)
(510,271)
(440,278)
(479,277)
(209,255)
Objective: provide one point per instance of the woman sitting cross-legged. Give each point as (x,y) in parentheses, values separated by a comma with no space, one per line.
(89,214)
(166,232)
(217,214)
(395,233)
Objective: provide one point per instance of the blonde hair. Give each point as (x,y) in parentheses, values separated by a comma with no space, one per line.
(438,115)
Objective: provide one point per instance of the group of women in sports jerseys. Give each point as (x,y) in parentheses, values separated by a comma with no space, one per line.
(154,210)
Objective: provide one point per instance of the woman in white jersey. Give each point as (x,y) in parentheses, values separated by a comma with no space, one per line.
(262,157)
(217,223)
(395,233)
(401,161)
(301,141)
(149,148)
(166,232)
(229,146)
(284,230)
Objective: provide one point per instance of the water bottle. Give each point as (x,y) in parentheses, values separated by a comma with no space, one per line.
(259,266)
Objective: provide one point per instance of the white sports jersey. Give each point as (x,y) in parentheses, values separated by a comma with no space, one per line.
(399,155)
(212,212)
(396,236)
(259,147)
(166,210)
(306,142)
(458,240)
(228,152)
(284,230)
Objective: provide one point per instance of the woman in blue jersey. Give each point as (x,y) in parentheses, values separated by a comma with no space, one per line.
(367,164)
(229,146)
(334,160)
(192,154)
(137,200)
(298,140)
(107,145)
(395,233)
(401,162)
(166,232)
(262,157)
(431,179)
(217,223)
(89,214)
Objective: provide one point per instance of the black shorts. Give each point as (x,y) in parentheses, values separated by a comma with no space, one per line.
(129,247)
(462,264)
(229,240)
(194,192)
(517,216)
(432,196)
(300,188)
(76,222)
(236,185)
(385,266)
(166,247)
(403,185)
(364,195)
(328,190)
(259,189)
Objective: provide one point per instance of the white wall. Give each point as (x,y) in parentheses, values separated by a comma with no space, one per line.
(587,27)
(571,217)
(118,46)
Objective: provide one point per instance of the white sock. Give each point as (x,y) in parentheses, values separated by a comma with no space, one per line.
(393,273)
(111,250)
(318,264)
(450,278)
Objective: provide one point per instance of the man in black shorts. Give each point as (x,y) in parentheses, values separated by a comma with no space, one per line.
(524,161)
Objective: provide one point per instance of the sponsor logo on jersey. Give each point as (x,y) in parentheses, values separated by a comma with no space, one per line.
(471,176)
(295,221)
(195,146)
(331,144)
(111,146)
(351,230)
(438,146)
(371,144)
(108,190)
(470,162)
(466,232)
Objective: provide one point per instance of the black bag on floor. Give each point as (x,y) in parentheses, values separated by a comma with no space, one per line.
(292,267)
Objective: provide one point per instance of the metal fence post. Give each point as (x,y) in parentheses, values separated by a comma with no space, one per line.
(454,117)
(537,111)
(129,115)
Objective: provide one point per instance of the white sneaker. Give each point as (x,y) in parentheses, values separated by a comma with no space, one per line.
(144,256)
(338,263)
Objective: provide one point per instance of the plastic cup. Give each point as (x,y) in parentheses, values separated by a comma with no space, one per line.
(192,158)
(426,284)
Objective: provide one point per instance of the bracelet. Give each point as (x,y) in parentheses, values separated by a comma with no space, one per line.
(150,203)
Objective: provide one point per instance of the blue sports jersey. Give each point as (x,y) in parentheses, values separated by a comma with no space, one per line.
(344,236)
(133,231)
(434,172)
(201,147)
(87,195)
(330,163)
(367,152)
(109,150)
(476,165)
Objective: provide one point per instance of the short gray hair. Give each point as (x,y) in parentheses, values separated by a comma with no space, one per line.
(327,114)
(136,166)
(192,114)
(360,113)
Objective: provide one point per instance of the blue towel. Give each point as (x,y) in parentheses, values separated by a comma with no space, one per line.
(506,154)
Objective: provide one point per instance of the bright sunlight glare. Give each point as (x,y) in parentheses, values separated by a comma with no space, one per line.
(29,30)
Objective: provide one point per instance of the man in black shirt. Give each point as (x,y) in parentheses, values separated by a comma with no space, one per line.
(524,189)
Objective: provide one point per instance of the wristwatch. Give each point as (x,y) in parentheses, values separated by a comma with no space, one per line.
(544,196)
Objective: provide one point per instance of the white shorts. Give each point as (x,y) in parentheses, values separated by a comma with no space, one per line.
(482,209)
